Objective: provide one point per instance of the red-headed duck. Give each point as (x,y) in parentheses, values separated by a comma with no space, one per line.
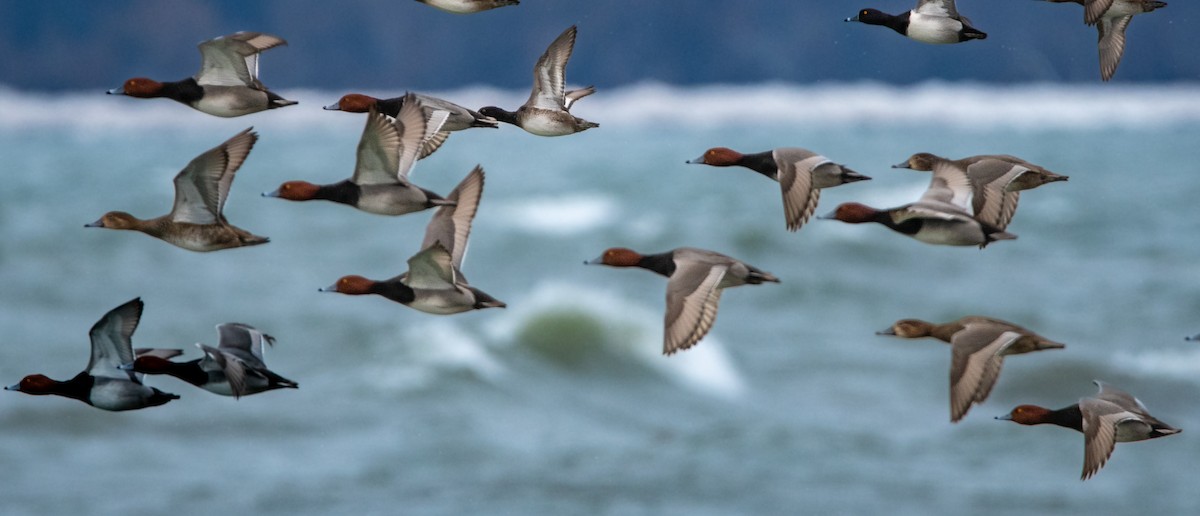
(104,384)
(978,346)
(227,84)
(196,222)
(1111,18)
(801,174)
(434,282)
(458,118)
(942,216)
(387,152)
(547,112)
(467,6)
(996,181)
(932,21)
(695,280)
(234,368)
(1112,417)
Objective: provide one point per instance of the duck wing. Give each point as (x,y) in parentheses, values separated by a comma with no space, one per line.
(431,269)
(692,301)
(415,129)
(451,224)
(202,186)
(975,363)
(944,8)
(111,346)
(550,74)
(800,197)
(1100,420)
(378,151)
(1094,10)
(232,60)
(993,203)
(1112,44)
(243,341)
(572,96)
(951,184)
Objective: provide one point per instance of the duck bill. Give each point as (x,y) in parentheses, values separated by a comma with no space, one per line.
(599,260)
(888,331)
(331,288)
(828,216)
(1006,417)
(126,367)
(336,106)
(97,224)
(903,164)
(696,161)
(13,387)
(272,193)
(852,18)
(116,91)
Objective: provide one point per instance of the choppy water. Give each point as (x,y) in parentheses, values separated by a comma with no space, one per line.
(561,404)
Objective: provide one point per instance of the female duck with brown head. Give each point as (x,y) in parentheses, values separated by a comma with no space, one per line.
(434,282)
(104,384)
(387,152)
(196,222)
(801,175)
(696,278)
(227,84)
(547,112)
(1112,416)
(978,346)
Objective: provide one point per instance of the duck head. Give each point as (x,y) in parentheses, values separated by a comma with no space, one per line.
(617,257)
(1026,415)
(353,103)
(294,191)
(919,161)
(350,285)
(870,17)
(115,220)
(36,384)
(717,157)
(140,87)
(908,329)
(853,213)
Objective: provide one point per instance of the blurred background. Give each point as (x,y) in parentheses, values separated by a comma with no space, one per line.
(562,403)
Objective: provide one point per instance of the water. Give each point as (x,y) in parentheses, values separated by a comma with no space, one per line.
(562,404)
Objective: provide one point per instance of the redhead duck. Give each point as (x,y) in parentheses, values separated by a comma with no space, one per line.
(434,282)
(386,154)
(547,112)
(942,216)
(996,181)
(196,222)
(227,84)
(978,346)
(933,21)
(1111,18)
(103,384)
(801,174)
(467,6)
(234,368)
(1112,417)
(695,280)
(459,117)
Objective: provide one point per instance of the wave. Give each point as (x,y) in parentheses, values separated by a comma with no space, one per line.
(964,105)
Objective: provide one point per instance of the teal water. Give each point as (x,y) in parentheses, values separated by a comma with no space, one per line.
(562,404)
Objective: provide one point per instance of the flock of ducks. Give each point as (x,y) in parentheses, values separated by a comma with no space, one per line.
(969,202)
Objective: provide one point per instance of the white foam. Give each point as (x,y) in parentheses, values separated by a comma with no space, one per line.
(428,351)
(1183,364)
(562,215)
(967,105)
(704,368)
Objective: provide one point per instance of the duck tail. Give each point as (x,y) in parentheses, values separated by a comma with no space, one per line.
(969,33)
(758,276)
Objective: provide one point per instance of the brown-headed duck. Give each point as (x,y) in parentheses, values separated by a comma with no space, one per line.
(978,346)
(932,21)
(547,112)
(942,216)
(1112,417)
(234,368)
(434,282)
(996,181)
(801,174)
(1111,18)
(467,6)
(196,222)
(387,152)
(104,384)
(227,84)
(695,278)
